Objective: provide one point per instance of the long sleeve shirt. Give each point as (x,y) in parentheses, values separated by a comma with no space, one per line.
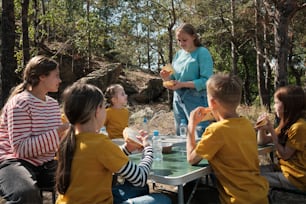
(28,129)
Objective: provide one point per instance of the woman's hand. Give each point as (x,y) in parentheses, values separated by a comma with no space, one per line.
(164,74)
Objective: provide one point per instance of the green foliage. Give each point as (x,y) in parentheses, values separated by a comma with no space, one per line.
(136,32)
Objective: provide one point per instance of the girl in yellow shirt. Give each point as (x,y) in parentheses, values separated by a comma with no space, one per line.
(117,117)
(289,139)
(87,160)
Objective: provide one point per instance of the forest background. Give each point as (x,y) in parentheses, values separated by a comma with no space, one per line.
(262,41)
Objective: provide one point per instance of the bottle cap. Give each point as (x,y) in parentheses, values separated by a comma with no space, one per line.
(155,132)
(145,120)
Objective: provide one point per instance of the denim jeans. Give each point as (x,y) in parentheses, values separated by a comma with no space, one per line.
(128,194)
(20,181)
(276,178)
(186,100)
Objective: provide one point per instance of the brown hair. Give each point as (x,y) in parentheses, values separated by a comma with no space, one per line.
(293,99)
(80,102)
(226,88)
(36,67)
(190,30)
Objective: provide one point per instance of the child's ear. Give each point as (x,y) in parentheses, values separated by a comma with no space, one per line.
(213,103)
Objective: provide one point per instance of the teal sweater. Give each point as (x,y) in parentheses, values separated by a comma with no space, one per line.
(196,66)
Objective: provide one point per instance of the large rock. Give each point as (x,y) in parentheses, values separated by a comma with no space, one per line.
(112,73)
(103,77)
(153,91)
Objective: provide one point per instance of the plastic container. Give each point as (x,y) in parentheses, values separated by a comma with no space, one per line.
(183,128)
(157,146)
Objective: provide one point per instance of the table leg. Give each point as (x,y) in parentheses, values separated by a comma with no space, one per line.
(180,194)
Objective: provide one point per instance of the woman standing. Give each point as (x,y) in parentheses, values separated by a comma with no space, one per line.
(193,65)
(30,133)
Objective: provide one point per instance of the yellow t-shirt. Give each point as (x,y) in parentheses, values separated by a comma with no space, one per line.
(96,158)
(116,120)
(294,169)
(230,147)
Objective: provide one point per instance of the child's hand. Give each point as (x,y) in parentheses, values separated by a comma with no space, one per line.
(263,123)
(197,115)
(143,139)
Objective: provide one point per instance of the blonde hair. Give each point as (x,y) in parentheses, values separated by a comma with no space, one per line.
(190,30)
(110,92)
(226,88)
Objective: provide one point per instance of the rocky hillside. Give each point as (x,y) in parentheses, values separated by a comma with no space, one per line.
(146,95)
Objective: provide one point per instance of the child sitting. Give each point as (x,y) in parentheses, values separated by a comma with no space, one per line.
(228,144)
(87,160)
(117,117)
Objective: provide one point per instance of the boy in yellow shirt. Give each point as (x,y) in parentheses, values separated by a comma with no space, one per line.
(229,144)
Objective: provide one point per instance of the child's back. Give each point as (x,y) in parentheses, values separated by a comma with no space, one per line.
(231,148)
(229,144)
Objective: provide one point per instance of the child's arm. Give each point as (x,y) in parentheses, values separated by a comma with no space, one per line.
(138,174)
(284,152)
(195,118)
(263,138)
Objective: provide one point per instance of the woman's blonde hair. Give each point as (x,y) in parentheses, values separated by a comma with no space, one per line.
(190,30)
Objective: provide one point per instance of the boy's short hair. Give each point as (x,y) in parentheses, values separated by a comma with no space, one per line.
(225,88)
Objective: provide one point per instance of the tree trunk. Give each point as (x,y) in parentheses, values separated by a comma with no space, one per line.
(25,32)
(268,77)
(246,84)
(281,24)
(261,72)
(281,13)
(36,24)
(9,64)
(233,33)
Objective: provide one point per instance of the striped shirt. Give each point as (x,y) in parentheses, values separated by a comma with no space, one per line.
(138,174)
(28,129)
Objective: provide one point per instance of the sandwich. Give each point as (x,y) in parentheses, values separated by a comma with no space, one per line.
(261,122)
(168,83)
(168,68)
(207,114)
(129,135)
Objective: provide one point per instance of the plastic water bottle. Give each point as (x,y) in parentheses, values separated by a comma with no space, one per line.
(157,146)
(145,125)
(183,128)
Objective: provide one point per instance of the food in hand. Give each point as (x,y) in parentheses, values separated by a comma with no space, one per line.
(168,68)
(168,83)
(207,114)
(261,122)
(130,134)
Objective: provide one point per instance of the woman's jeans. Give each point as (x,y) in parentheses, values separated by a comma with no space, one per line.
(127,194)
(20,181)
(184,101)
